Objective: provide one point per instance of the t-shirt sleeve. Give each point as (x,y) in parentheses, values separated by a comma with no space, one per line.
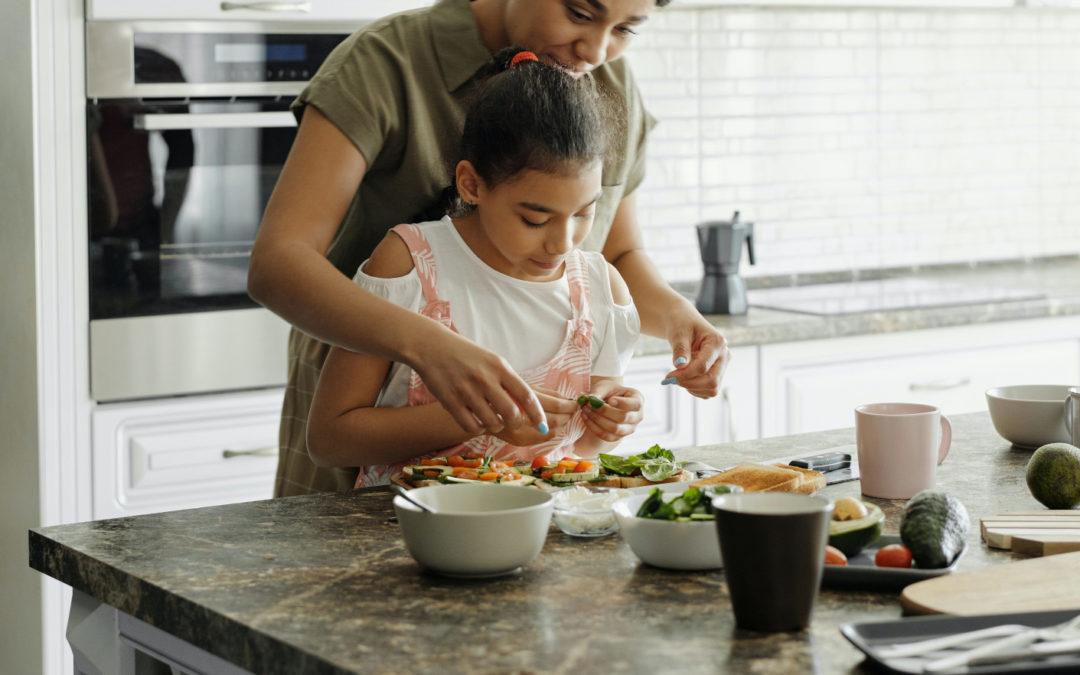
(359,89)
(403,291)
(641,125)
(616,333)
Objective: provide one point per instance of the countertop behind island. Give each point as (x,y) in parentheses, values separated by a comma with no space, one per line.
(322,583)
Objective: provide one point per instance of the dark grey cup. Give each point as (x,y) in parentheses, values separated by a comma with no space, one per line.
(773,547)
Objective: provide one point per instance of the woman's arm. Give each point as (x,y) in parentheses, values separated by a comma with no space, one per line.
(699,351)
(344,427)
(291,276)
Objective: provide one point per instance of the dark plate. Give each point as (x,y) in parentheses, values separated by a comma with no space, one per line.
(861,572)
(869,638)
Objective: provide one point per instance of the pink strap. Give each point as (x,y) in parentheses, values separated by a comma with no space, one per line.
(578,279)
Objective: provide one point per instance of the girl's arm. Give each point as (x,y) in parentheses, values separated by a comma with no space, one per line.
(344,427)
(290,275)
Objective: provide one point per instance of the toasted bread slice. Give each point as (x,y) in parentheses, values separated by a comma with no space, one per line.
(756,478)
(810,481)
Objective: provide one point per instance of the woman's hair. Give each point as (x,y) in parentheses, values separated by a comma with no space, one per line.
(530,115)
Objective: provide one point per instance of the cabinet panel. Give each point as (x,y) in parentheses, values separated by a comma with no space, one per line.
(249,10)
(816,385)
(733,414)
(669,410)
(182,453)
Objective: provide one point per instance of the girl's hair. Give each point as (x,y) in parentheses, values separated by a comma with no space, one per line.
(530,116)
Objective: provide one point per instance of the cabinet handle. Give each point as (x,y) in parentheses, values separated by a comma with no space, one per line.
(940,385)
(254,452)
(267,6)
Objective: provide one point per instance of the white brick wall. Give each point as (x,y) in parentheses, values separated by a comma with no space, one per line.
(859,138)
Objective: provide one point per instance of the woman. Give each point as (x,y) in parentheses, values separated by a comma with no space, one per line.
(377,139)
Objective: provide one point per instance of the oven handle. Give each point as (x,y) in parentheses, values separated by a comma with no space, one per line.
(250,120)
(267,6)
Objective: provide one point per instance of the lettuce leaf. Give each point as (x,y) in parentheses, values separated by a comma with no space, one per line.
(656,464)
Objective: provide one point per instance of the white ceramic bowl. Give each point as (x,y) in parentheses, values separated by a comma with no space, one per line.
(666,543)
(477,530)
(1029,415)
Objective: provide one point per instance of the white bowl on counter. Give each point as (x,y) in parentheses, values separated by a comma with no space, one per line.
(1029,415)
(669,544)
(476,530)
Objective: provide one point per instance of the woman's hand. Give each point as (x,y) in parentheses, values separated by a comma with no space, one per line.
(477,387)
(699,351)
(558,410)
(620,414)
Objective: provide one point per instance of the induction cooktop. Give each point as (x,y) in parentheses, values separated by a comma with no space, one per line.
(879,295)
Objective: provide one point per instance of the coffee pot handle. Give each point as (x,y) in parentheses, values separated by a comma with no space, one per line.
(750,242)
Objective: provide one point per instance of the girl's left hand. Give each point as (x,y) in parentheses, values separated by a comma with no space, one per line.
(699,352)
(619,416)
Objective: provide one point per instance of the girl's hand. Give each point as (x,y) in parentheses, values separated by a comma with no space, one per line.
(699,351)
(477,387)
(618,417)
(558,410)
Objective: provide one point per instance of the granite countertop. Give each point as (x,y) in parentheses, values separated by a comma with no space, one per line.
(322,583)
(1057,278)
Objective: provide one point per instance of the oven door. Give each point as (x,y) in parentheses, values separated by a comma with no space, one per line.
(176,194)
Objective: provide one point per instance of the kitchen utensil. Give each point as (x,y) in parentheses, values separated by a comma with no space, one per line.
(722,289)
(475,530)
(1072,415)
(405,495)
(900,446)
(673,545)
(773,548)
(1045,532)
(1029,415)
(861,572)
(1037,584)
(829,461)
(879,640)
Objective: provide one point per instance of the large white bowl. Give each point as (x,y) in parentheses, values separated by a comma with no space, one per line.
(1029,415)
(666,543)
(476,530)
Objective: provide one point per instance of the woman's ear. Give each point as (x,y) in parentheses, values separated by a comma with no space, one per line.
(470,186)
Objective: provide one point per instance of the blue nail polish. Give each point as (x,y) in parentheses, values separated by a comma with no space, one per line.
(669,380)
(682,361)
(542,427)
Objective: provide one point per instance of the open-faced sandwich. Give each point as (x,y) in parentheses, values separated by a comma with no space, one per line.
(465,468)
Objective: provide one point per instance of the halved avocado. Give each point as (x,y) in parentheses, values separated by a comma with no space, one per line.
(852,536)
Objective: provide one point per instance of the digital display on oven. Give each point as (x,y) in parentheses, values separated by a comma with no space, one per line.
(249,52)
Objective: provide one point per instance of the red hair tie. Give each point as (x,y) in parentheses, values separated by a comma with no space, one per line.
(522,56)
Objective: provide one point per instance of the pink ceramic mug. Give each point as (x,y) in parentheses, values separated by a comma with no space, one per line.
(900,446)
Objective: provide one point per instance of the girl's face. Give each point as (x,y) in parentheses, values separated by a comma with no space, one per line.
(525,227)
(578,35)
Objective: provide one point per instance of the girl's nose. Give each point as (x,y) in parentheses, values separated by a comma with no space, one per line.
(561,240)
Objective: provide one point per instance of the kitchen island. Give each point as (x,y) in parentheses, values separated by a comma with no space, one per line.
(323,584)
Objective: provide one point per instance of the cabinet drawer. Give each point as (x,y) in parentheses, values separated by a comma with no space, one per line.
(249,10)
(160,456)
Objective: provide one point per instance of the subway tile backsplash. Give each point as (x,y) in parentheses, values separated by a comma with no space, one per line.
(861,138)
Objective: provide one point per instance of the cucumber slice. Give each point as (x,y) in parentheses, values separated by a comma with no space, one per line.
(576,477)
(418,470)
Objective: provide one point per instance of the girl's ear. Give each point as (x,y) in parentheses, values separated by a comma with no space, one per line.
(470,185)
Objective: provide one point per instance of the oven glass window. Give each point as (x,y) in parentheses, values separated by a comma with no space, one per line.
(176,193)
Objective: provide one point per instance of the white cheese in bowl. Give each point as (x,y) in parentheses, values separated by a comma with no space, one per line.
(581,512)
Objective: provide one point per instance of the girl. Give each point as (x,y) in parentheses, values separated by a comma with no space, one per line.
(379,131)
(505,272)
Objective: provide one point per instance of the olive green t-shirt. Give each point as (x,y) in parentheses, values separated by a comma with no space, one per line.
(398,89)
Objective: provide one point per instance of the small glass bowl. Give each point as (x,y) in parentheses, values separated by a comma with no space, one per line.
(578,522)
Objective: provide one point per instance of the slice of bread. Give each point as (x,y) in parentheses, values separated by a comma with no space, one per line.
(768,478)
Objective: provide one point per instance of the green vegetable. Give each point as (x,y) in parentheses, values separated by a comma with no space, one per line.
(852,536)
(694,504)
(656,464)
(934,526)
(595,402)
(1053,476)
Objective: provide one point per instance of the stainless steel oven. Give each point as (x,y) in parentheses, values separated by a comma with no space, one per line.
(187,130)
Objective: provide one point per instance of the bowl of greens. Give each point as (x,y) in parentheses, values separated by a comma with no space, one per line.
(673,530)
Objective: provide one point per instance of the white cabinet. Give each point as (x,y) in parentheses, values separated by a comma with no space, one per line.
(184,452)
(815,385)
(249,10)
(674,418)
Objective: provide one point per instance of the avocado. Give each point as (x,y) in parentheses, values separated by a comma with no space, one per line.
(852,536)
(934,526)
(1053,476)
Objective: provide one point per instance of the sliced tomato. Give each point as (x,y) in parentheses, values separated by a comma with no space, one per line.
(583,466)
(433,461)
(455,460)
(458,470)
(468,474)
(472,463)
(539,462)
(567,465)
(547,474)
(489,475)
(469,454)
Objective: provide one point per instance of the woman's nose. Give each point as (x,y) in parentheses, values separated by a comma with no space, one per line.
(592,48)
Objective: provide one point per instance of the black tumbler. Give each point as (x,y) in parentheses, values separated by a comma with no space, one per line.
(773,547)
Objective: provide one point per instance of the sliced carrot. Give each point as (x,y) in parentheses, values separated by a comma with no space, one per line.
(472,463)
(455,460)
(468,474)
(583,466)
(496,465)
(433,461)
(567,464)
(489,475)
(458,470)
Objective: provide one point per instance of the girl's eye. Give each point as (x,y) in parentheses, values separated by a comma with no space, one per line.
(531,223)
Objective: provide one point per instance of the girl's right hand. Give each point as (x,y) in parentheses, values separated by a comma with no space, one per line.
(476,386)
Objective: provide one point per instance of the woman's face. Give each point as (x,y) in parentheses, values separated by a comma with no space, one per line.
(578,35)
(531,222)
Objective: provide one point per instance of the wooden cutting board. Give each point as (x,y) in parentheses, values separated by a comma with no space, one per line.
(1034,532)
(1034,585)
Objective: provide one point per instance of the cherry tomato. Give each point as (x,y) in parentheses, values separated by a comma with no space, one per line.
(539,462)
(546,475)
(583,466)
(893,555)
(833,556)
(455,460)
